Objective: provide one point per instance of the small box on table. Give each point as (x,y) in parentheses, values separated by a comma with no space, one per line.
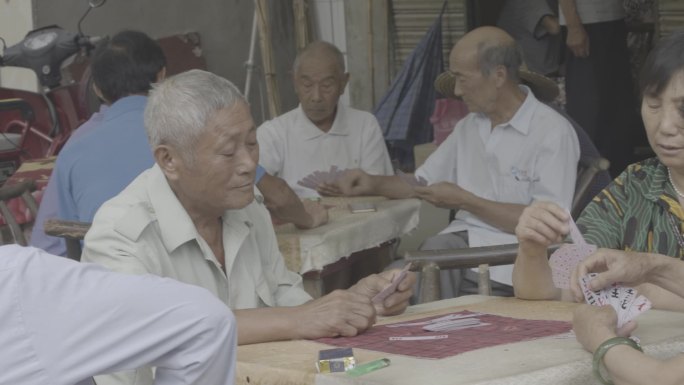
(335,360)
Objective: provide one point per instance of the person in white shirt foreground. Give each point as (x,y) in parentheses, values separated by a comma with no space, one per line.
(62,322)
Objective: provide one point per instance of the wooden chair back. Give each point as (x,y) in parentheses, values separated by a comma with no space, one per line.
(72,232)
(23,191)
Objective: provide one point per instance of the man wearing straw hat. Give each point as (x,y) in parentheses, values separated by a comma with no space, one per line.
(510,150)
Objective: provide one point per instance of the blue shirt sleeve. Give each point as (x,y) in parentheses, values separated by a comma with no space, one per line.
(260,171)
(66,207)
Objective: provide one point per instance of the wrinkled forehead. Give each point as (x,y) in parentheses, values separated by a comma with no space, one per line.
(318,67)
(231,122)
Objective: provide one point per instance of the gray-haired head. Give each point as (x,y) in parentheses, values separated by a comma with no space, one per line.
(492,47)
(318,49)
(179,108)
(509,55)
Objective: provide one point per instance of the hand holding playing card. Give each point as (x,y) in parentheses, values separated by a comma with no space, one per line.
(624,300)
(630,268)
(318,178)
(392,287)
(564,260)
(443,194)
(396,286)
(352,182)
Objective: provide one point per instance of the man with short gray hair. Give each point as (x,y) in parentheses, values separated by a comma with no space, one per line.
(193,217)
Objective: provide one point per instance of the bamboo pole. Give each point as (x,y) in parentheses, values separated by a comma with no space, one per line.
(267,58)
(371,53)
(301,24)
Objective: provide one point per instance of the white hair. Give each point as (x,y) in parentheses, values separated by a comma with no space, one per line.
(321,49)
(179,108)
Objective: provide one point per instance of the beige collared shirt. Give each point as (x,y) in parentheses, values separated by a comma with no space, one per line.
(292,147)
(145,229)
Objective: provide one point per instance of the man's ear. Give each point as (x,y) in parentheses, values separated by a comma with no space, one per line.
(168,160)
(501,76)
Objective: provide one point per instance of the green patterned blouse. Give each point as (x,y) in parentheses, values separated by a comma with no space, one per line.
(638,211)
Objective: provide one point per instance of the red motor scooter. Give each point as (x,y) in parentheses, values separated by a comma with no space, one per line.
(37,124)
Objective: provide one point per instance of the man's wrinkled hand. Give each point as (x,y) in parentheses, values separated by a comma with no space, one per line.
(318,213)
(340,313)
(351,183)
(395,303)
(443,194)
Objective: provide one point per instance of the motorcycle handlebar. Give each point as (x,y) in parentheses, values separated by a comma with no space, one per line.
(88,41)
(44,50)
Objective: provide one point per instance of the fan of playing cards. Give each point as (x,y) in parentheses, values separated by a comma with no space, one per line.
(625,300)
(564,260)
(316,178)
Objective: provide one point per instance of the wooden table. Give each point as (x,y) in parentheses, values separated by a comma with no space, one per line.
(543,361)
(350,245)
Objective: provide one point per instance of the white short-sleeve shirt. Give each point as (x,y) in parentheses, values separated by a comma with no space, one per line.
(531,157)
(292,147)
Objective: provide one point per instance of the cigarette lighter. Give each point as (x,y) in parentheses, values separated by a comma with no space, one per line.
(368,367)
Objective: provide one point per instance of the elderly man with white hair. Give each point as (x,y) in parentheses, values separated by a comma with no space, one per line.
(193,217)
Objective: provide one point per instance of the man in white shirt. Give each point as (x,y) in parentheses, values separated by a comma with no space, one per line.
(321,132)
(193,217)
(508,151)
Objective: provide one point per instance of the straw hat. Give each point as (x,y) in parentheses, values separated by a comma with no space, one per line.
(543,88)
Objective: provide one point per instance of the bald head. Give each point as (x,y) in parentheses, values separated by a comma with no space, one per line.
(490,47)
(319,81)
(321,51)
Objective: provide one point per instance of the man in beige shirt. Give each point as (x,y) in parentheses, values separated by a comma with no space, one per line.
(193,217)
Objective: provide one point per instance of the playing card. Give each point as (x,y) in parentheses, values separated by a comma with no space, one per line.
(614,293)
(639,305)
(318,177)
(596,298)
(575,234)
(308,182)
(436,320)
(625,300)
(392,287)
(457,324)
(564,260)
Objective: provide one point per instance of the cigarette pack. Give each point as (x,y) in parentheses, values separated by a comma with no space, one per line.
(335,360)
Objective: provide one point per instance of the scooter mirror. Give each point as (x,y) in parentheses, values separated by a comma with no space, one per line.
(96,3)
